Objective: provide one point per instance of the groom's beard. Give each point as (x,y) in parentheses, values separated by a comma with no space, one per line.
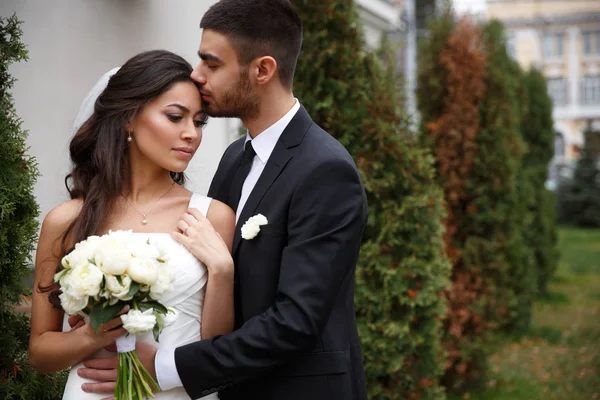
(238,102)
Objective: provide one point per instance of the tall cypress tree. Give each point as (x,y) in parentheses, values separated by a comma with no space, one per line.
(451,86)
(537,128)
(469,102)
(18,235)
(353,94)
(501,192)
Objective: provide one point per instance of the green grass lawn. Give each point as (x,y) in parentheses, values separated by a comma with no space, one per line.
(559,359)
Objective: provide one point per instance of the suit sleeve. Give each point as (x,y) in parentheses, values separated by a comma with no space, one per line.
(325,224)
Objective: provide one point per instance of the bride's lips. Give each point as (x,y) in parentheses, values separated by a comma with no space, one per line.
(184,151)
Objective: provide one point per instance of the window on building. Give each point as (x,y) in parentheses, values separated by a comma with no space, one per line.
(591,43)
(554,44)
(590,92)
(560,44)
(557,89)
(587,43)
(559,145)
(548,45)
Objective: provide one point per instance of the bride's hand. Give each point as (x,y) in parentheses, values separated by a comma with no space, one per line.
(199,236)
(107,333)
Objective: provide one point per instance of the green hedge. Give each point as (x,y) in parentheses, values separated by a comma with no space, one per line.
(18,235)
(402,271)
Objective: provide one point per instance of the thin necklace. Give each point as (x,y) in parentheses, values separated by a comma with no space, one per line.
(144,219)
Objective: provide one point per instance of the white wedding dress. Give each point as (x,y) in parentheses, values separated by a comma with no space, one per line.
(187,297)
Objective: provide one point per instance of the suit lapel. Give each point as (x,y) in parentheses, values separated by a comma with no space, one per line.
(277,162)
(291,137)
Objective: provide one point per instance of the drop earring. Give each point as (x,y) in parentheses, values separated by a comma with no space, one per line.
(129,138)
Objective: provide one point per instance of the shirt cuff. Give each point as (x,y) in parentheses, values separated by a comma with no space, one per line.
(166,370)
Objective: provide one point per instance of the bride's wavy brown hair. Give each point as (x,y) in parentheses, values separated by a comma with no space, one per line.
(98,150)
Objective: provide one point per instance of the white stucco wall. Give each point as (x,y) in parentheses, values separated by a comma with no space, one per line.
(71,44)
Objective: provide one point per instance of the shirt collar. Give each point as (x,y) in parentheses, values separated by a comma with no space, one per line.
(264,143)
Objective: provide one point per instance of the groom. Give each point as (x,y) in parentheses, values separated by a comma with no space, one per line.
(296,334)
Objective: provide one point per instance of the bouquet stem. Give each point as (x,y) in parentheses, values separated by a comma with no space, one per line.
(133,381)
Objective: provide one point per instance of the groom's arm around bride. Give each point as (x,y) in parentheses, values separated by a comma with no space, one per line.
(296,333)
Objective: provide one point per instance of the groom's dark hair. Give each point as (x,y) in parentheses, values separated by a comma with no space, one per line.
(257,28)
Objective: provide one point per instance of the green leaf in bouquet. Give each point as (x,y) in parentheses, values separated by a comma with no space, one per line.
(153,304)
(101,314)
(134,288)
(160,324)
(60,275)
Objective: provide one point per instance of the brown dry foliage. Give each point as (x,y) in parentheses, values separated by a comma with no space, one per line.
(454,139)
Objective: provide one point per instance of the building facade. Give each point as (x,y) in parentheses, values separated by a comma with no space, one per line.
(71,43)
(562,39)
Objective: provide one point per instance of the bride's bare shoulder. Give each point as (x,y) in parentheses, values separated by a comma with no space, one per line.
(61,216)
(222,217)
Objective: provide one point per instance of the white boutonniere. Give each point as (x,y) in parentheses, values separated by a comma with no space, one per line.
(251,228)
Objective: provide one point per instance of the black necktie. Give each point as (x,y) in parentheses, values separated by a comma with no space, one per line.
(235,190)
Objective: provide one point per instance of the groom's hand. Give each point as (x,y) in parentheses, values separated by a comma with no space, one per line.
(104,370)
(76,321)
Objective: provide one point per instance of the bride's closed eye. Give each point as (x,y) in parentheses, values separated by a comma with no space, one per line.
(175,117)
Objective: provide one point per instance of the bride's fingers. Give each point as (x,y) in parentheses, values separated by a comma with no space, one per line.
(182,225)
(124,310)
(111,347)
(190,220)
(112,324)
(198,216)
(116,333)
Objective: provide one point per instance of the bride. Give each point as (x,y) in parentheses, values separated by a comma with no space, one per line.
(128,160)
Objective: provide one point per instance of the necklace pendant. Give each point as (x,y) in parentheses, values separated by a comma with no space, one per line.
(144,221)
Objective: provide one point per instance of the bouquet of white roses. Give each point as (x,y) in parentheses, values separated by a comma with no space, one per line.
(105,273)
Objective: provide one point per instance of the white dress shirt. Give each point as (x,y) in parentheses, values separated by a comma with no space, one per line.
(263,144)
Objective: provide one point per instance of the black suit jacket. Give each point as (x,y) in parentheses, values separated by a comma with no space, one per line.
(296,334)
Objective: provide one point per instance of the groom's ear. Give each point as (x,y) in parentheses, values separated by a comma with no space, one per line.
(264,69)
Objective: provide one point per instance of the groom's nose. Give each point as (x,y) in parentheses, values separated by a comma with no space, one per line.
(197,76)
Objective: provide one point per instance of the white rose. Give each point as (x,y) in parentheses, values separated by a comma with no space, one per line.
(143,271)
(136,321)
(83,253)
(82,280)
(72,305)
(74,258)
(116,289)
(113,257)
(251,228)
(162,284)
(88,246)
(120,236)
(141,249)
(163,255)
